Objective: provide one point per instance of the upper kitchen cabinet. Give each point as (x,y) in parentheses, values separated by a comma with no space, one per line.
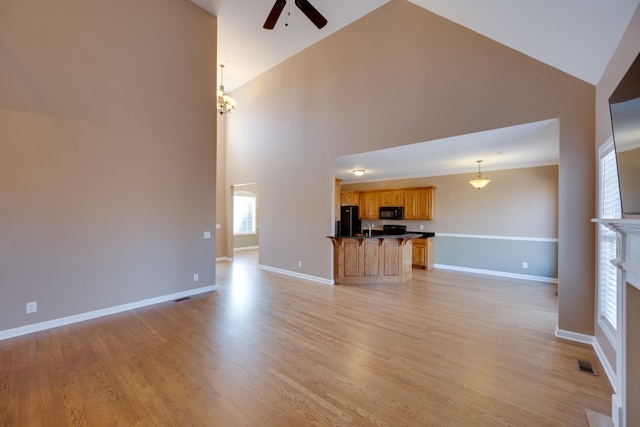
(392,198)
(338,199)
(350,198)
(370,205)
(418,203)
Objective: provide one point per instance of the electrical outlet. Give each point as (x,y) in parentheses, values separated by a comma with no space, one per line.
(32,307)
(525,265)
(206,235)
(421,226)
(299,264)
(196,277)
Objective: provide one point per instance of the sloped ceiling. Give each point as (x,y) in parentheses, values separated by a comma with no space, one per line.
(577,37)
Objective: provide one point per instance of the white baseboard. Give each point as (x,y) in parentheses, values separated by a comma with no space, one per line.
(246,248)
(49,324)
(497,273)
(616,410)
(224,258)
(574,336)
(298,275)
(608,370)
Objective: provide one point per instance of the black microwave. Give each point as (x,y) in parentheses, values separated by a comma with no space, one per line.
(391,212)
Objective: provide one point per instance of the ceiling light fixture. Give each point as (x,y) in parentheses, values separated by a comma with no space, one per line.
(479,182)
(226,104)
(358,172)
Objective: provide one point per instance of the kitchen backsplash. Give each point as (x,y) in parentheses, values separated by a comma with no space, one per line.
(411,225)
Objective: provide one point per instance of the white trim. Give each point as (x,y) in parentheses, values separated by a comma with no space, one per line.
(298,275)
(498,273)
(245,248)
(607,329)
(616,410)
(49,324)
(482,236)
(224,258)
(608,369)
(574,336)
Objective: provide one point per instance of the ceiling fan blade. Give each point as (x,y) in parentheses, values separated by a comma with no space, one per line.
(276,10)
(312,13)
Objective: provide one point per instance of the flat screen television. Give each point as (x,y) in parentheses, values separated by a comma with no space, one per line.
(624,105)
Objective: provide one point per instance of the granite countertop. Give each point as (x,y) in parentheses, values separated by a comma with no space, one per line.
(425,234)
(382,236)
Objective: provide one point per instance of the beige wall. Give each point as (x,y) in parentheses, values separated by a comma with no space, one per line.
(517,202)
(618,66)
(107,156)
(397,76)
(224,216)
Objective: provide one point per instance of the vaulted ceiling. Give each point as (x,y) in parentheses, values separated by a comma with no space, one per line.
(577,37)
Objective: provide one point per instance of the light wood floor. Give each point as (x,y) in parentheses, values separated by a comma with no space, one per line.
(444,349)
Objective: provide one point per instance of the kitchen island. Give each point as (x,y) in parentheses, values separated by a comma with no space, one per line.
(382,258)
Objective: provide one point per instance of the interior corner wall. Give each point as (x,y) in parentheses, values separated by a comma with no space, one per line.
(626,52)
(107,154)
(224,249)
(397,76)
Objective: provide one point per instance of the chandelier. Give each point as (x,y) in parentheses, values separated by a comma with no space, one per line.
(479,182)
(226,104)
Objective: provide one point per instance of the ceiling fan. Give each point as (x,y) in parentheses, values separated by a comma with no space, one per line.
(306,8)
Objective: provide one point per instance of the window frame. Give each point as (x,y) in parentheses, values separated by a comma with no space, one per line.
(609,329)
(246,194)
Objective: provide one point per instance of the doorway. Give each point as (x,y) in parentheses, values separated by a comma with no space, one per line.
(245,208)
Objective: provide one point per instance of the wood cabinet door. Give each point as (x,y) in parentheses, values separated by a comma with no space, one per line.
(418,203)
(350,198)
(430,255)
(338,199)
(370,205)
(410,204)
(424,204)
(419,253)
(392,198)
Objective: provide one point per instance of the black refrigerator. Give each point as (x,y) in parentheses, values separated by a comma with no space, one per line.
(349,221)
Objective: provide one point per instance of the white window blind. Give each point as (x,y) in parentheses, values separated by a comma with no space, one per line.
(609,208)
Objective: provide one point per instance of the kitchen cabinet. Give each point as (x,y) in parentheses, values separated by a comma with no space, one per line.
(392,198)
(350,198)
(359,260)
(418,203)
(422,254)
(338,199)
(370,205)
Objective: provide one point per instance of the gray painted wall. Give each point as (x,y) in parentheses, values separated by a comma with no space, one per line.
(499,255)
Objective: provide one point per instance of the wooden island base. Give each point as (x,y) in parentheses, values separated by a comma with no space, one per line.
(359,260)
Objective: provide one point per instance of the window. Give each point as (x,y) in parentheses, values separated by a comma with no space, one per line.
(244,213)
(609,207)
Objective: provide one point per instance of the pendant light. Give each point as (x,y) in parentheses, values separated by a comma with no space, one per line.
(479,182)
(226,104)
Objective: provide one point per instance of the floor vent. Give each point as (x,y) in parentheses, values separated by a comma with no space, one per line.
(182,299)
(586,367)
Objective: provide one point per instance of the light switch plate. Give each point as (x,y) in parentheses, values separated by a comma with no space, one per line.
(32,307)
